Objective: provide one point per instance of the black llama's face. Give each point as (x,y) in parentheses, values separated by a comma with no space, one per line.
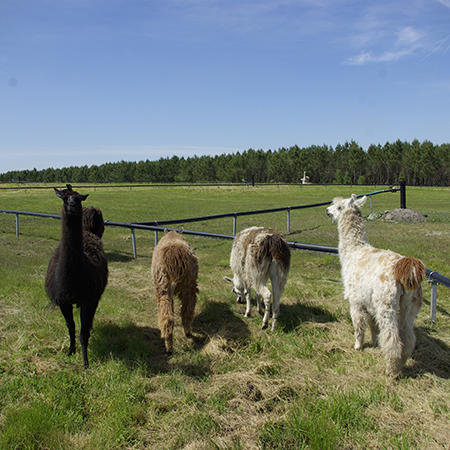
(72,199)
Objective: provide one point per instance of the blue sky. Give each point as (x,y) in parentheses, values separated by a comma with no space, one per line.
(94,81)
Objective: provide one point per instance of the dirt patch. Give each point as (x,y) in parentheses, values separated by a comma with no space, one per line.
(403,215)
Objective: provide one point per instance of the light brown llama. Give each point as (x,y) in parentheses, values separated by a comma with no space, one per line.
(174,272)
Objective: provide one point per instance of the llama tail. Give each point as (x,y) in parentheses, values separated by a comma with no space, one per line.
(409,272)
(275,247)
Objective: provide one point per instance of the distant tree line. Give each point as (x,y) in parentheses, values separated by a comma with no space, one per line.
(416,163)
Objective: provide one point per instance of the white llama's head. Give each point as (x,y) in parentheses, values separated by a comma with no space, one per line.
(341,205)
(237,289)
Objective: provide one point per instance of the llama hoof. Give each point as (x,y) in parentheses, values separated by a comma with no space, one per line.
(71,351)
(394,369)
(247,314)
(189,335)
(358,346)
(395,375)
(169,352)
(264,326)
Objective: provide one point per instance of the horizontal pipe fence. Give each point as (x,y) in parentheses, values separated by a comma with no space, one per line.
(435,278)
(235,215)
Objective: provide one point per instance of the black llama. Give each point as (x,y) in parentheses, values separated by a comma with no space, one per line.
(78,271)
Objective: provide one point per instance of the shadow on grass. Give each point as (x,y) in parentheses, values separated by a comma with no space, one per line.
(118,257)
(135,346)
(291,316)
(218,319)
(431,355)
(139,346)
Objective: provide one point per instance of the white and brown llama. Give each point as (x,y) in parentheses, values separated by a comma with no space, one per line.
(78,271)
(174,271)
(383,287)
(257,254)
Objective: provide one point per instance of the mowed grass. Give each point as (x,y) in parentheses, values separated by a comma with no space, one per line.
(233,386)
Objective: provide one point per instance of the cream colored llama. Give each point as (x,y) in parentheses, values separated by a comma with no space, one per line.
(383,287)
(257,254)
(174,272)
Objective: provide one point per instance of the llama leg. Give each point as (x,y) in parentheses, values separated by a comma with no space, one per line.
(359,317)
(188,298)
(259,302)
(374,330)
(275,310)
(265,294)
(166,320)
(409,342)
(409,307)
(278,282)
(275,303)
(389,338)
(86,317)
(248,302)
(67,312)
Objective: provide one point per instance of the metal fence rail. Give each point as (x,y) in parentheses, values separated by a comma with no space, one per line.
(235,215)
(128,185)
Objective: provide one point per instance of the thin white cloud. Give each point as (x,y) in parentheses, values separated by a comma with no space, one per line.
(445,3)
(408,35)
(388,56)
(248,16)
(398,44)
(390,31)
(441,47)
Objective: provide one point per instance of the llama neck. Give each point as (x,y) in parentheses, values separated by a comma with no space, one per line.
(351,232)
(71,237)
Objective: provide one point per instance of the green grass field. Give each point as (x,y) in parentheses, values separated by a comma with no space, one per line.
(233,386)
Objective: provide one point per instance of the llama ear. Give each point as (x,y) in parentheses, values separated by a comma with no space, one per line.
(69,187)
(353,198)
(228,279)
(83,197)
(58,193)
(361,201)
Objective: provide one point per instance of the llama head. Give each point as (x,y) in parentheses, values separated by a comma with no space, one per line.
(239,291)
(71,200)
(341,205)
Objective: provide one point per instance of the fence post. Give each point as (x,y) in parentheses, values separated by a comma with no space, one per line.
(17,225)
(133,241)
(234,224)
(288,220)
(156,238)
(433,301)
(403,194)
